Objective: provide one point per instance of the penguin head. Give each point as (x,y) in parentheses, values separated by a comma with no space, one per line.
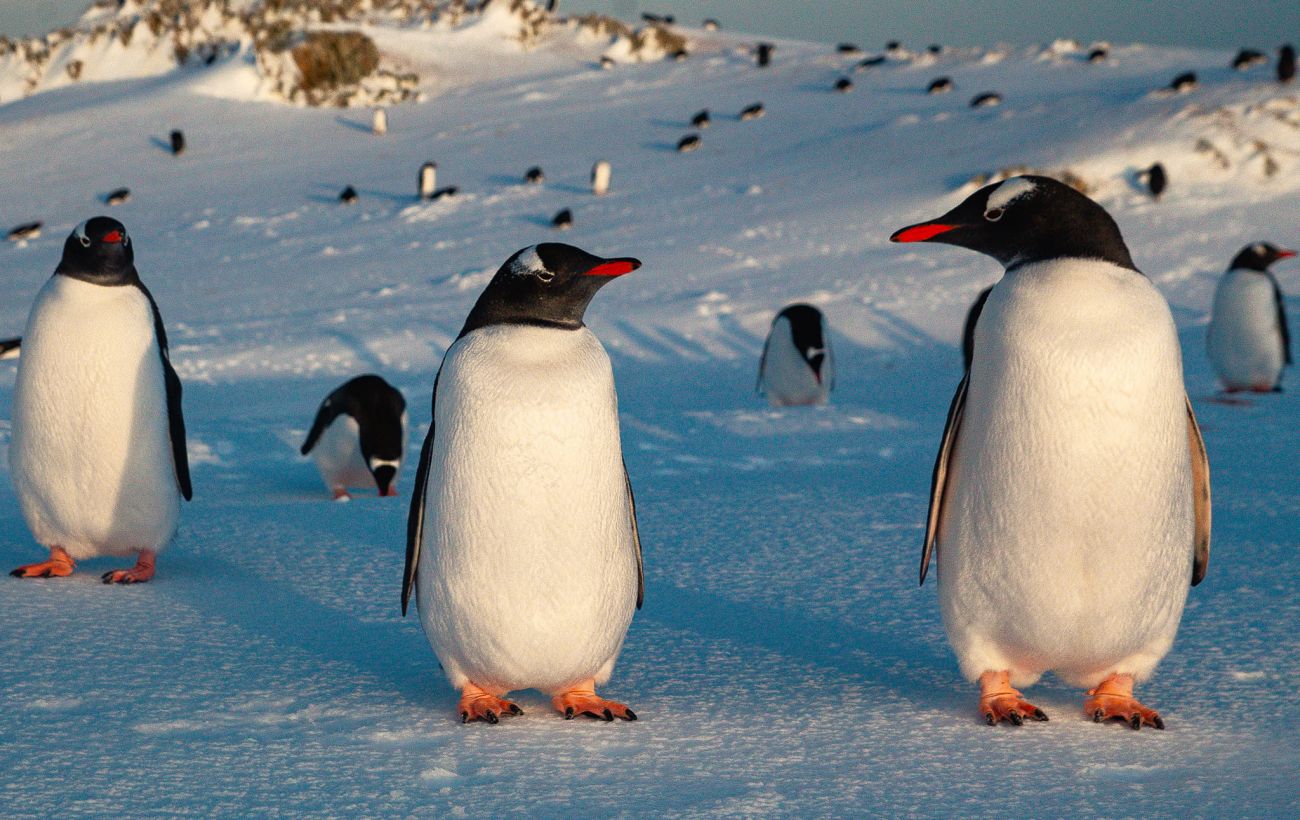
(99,251)
(1258,256)
(549,284)
(1027,219)
(380,412)
(809,338)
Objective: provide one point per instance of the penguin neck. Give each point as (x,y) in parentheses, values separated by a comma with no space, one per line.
(1120,259)
(563,311)
(111,278)
(480,319)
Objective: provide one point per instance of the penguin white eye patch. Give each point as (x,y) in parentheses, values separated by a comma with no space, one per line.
(80,233)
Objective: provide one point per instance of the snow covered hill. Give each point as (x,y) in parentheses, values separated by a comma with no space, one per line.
(785,661)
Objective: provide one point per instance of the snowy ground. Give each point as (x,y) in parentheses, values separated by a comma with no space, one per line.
(785,661)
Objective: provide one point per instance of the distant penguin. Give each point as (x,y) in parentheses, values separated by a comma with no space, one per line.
(796,367)
(1070,500)
(1285,64)
(1183,82)
(97,453)
(763,54)
(534,176)
(968,329)
(710,24)
(1156,179)
(379,122)
(848,48)
(1247,58)
(1098,54)
(870,62)
(1248,340)
(939,85)
(606,62)
(428,180)
(10,348)
(359,437)
(680,54)
(178,143)
(893,45)
(688,143)
(752,112)
(27,230)
(843,85)
(934,48)
(563,220)
(701,119)
(988,98)
(522,545)
(348,196)
(600,173)
(117,196)
(443,192)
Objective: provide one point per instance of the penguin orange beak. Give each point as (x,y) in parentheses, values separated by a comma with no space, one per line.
(1283,253)
(615,267)
(923,232)
(112,237)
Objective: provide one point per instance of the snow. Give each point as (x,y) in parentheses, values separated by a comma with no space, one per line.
(785,661)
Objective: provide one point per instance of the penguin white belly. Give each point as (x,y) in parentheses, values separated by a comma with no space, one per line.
(338,455)
(91,455)
(1066,538)
(1245,342)
(528,569)
(786,378)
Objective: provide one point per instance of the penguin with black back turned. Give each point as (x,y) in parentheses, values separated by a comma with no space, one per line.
(97,453)
(522,545)
(359,437)
(177,139)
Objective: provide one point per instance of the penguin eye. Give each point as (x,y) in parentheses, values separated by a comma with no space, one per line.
(994,214)
(84,240)
(544,275)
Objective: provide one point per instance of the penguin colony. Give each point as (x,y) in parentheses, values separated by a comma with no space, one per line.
(525,353)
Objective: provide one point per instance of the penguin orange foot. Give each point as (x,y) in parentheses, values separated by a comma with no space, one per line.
(999,701)
(582,699)
(138,574)
(1113,698)
(477,704)
(60,565)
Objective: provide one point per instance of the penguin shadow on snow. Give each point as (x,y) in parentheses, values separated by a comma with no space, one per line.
(365,127)
(161,144)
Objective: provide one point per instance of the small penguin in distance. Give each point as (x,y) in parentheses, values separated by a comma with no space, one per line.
(1183,82)
(348,196)
(796,367)
(1248,339)
(752,112)
(177,139)
(27,230)
(689,143)
(1248,57)
(1286,63)
(11,348)
(939,85)
(522,543)
(117,196)
(534,176)
(843,85)
(563,220)
(1156,180)
(97,454)
(1070,499)
(701,119)
(986,100)
(359,437)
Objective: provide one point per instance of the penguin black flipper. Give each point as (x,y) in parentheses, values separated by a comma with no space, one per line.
(175,415)
(330,409)
(938,482)
(1200,497)
(636,537)
(415,519)
(762,361)
(1281,319)
(968,330)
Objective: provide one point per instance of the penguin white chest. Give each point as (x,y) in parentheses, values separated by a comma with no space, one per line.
(91,452)
(1066,541)
(786,376)
(528,571)
(338,455)
(1245,339)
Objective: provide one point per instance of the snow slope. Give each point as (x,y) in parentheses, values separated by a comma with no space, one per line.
(785,661)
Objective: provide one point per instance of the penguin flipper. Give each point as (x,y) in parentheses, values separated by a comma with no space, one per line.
(330,409)
(415,519)
(1200,497)
(175,414)
(938,482)
(1281,319)
(762,362)
(636,539)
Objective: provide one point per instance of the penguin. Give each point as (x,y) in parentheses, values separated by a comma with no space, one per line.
(763,54)
(1183,82)
(985,100)
(752,112)
(359,436)
(27,230)
(177,142)
(97,453)
(348,196)
(939,85)
(117,196)
(701,119)
(379,122)
(689,143)
(1247,58)
(427,181)
(522,544)
(606,62)
(600,173)
(1248,339)
(843,85)
(680,55)
(1070,502)
(563,220)
(1157,180)
(711,24)
(968,329)
(534,176)
(1099,54)
(797,367)
(11,348)
(870,62)
(445,191)
(848,48)
(1286,64)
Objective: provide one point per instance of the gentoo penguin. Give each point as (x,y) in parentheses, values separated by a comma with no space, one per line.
(843,85)
(359,436)
(10,348)
(98,451)
(1070,505)
(986,100)
(763,54)
(563,219)
(939,85)
(1286,64)
(796,366)
(1249,341)
(1098,54)
(177,142)
(968,329)
(1157,180)
(522,544)
(348,196)
(117,196)
(701,119)
(27,230)
(689,143)
(1183,82)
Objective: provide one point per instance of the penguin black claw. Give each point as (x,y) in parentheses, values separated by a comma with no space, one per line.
(16,573)
(609,716)
(515,710)
(1136,723)
(568,713)
(1097,715)
(464,717)
(1016,719)
(630,716)
(1158,723)
(1039,714)
(492,718)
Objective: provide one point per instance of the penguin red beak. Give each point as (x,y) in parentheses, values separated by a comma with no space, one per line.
(615,267)
(112,237)
(1283,253)
(923,232)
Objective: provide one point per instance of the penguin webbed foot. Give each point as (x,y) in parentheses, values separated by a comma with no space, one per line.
(138,574)
(59,565)
(999,701)
(583,700)
(477,704)
(1113,699)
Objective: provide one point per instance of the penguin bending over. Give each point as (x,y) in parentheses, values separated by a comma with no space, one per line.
(1248,339)
(98,451)
(796,367)
(1070,504)
(522,544)
(359,436)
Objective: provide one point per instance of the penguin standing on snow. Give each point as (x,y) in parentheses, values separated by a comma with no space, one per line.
(98,450)
(1249,342)
(522,544)
(1070,505)
(359,436)
(796,366)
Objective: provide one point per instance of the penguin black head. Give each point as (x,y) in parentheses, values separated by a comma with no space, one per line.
(1027,219)
(549,284)
(806,330)
(1258,256)
(99,251)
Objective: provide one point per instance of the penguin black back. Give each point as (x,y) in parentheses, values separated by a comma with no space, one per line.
(378,408)
(805,327)
(1286,64)
(1157,180)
